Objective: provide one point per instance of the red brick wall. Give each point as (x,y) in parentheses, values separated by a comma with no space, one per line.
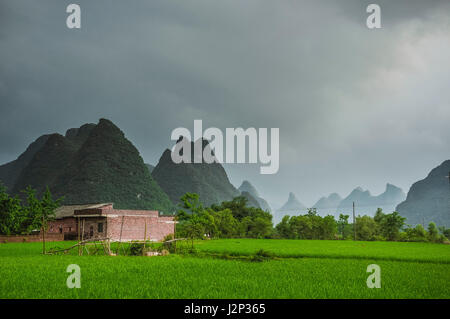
(134,227)
(92,223)
(68,225)
(31,238)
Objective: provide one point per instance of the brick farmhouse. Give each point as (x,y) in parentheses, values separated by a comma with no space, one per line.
(103,221)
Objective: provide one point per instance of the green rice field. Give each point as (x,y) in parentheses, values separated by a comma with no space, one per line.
(298,269)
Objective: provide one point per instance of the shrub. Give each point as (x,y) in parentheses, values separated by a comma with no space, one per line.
(416,234)
(168,237)
(165,252)
(136,249)
(265,253)
(262,255)
(441,239)
(433,234)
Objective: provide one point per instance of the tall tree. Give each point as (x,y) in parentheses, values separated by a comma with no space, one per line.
(342,225)
(390,225)
(11,213)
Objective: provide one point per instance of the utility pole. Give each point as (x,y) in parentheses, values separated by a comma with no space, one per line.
(354,222)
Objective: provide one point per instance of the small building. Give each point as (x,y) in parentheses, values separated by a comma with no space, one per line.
(103,221)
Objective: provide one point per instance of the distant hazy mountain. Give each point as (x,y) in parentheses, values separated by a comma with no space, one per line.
(365,202)
(292,207)
(429,199)
(292,204)
(246,186)
(359,196)
(391,196)
(332,201)
(93,163)
(209,181)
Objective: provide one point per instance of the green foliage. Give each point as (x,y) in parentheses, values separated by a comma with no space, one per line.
(433,234)
(168,237)
(366,228)
(226,225)
(229,219)
(283,228)
(345,230)
(380,227)
(262,255)
(190,203)
(235,219)
(136,249)
(309,226)
(17,217)
(11,213)
(389,225)
(258,227)
(417,234)
(445,232)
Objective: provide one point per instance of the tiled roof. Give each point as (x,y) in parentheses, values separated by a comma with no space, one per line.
(68,210)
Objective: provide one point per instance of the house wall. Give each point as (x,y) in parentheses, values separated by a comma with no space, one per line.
(133,224)
(134,227)
(68,225)
(93,222)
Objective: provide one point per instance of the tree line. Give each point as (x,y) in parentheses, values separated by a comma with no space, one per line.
(227,220)
(235,219)
(23,216)
(232,219)
(381,227)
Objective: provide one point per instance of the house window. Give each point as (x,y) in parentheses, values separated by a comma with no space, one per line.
(100,227)
(91,231)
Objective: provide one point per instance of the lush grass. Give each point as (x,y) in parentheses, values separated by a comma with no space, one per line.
(24,273)
(389,251)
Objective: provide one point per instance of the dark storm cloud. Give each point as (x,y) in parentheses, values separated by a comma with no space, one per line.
(354,106)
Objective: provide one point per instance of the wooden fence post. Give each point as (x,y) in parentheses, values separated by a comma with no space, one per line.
(120,238)
(145,237)
(43,234)
(79,235)
(82,235)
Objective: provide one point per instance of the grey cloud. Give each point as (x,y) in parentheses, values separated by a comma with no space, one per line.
(354,106)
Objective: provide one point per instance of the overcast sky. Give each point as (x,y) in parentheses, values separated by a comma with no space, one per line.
(355,107)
